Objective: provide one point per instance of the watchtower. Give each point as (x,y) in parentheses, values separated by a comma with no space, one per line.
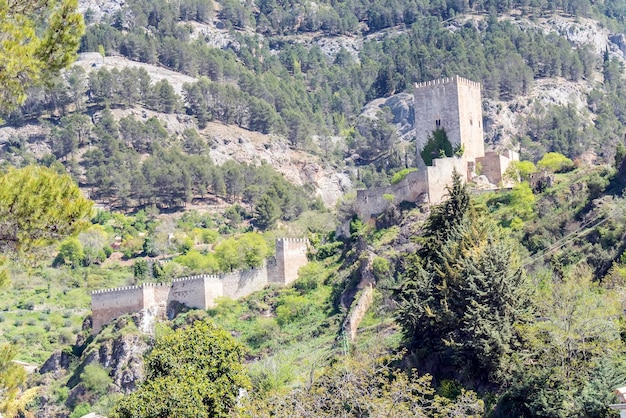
(453,104)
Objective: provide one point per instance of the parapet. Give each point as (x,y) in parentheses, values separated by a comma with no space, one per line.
(116,289)
(447,80)
(200,291)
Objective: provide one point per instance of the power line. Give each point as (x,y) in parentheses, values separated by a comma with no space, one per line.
(583,229)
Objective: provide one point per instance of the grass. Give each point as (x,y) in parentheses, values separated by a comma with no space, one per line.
(43,310)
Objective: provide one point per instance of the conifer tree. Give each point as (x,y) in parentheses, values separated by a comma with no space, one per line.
(37,39)
(463,291)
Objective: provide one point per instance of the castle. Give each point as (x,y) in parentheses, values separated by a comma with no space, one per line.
(160,299)
(452,105)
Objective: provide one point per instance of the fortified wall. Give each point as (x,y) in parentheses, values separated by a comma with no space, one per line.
(453,104)
(199,291)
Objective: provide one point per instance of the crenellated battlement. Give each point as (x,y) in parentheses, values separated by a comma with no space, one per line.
(299,240)
(447,80)
(200,291)
(116,289)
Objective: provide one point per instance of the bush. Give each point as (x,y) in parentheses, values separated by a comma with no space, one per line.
(555,162)
(309,277)
(264,329)
(96,378)
(400,175)
(291,308)
(380,268)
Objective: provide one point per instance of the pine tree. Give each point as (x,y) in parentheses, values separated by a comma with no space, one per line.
(463,292)
(33,50)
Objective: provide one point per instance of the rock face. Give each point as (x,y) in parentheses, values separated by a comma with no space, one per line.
(58,364)
(121,354)
(401,107)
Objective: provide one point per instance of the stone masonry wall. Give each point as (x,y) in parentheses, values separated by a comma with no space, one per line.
(243,282)
(470,104)
(494,165)
(190,291)
(454,104)
(290,256)
(371,202)
(156,295)
(440,176)
(199,291)
(111,303)
(436,106)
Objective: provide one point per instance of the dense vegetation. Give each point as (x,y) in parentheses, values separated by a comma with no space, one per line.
(504,304)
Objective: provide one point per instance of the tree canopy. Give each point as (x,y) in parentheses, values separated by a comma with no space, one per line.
(37,39)
(38,207)
(192,372)
(463,293)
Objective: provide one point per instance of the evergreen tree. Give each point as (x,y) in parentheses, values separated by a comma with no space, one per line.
(463,292)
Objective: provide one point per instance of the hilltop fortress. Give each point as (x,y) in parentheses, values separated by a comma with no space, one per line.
(452,105)
(160,299)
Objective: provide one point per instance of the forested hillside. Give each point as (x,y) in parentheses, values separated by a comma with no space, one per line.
(203,130)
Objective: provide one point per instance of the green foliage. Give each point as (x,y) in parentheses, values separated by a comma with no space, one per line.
(309,277)
(248,251)
(464,290)
(437,146)
(81,410)
(365,385)
(193,372)
(12,376)
(39,39)
(96,378)
(555,162)
(573,356)
(381,268)
(38,207)
(515,207)
(291,308)
(520,170)
(199,263)
(71,252)
(400,175)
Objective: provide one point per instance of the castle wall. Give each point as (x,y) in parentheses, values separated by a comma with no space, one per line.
(494,165)
(107,305)
(155,296)
(371,202)
(440,176)
(436,106)
(189,291)
(199,291)
(243,282)
(274,273)
(290,256)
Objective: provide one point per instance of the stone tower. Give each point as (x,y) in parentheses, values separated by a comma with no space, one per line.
(455,105)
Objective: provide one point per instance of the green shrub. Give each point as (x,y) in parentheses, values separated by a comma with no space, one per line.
(555,162)
(328,250)
(400,175)
(380,268)
(209,236)
(291,308)
(96,378)
(80,410)
(309,276)
(264,329)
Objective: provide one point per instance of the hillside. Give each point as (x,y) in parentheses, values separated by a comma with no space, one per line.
(203,130)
